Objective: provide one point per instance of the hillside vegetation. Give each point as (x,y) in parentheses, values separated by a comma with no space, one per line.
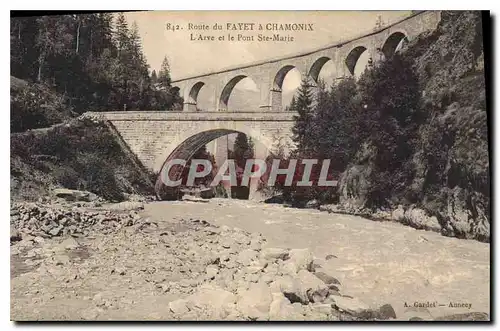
(80,154)
(410,136)
(65,65)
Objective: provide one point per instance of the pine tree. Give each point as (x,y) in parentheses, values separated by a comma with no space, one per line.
(243,149)
(293,104)
(301,129)
(154,78)
(121,33)
(164,74)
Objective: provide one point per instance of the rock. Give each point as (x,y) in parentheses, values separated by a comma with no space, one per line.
(350,305)
(327,279)
(178,307)
(215,301)
(207,193)
(227,243)
(68,244)
(467,214)
(39,240)
(74,195)
(291,289)
(25,243)
(267,278)
(15,235)
(274,253)
(398,214)
(119,271)
(302,259)
(419,219)
(55,231)
(255,302)
(282,310)
(61,259)
(416,319)
(386,312)
(312,204)
(211,271)
(256,246)
(330,256)
(323,308)
(473,316)
(126,206)
(246,257)
(314,288)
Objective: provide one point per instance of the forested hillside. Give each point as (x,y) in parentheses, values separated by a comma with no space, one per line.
(90,62)
(409,138)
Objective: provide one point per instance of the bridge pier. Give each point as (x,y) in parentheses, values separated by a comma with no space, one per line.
(260,153)
(221,155)
(190,107)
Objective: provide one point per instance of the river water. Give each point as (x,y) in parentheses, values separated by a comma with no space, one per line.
(420,273)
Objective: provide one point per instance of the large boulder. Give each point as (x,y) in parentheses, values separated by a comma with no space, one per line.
(350,305)
(246,256)
(275,253)
(290,287)
(74,195)
(212,301)
(255,302)
(299,259)
(178,307)
(281,309)
(313,287)
(416,218)
(326,278)
(467,214)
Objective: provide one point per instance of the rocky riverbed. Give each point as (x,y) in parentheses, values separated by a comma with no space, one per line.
(129,261)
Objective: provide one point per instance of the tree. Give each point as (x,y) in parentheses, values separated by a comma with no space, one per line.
(336,123)
(392,114)
(242,151)
(302,126)
(154,78)
(95,61)
(164,74)
(200,154)
(293,104)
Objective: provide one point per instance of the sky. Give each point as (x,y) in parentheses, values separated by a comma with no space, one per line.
(193,57)
(189,58)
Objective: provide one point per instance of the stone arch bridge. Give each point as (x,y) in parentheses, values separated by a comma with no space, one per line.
(158,136)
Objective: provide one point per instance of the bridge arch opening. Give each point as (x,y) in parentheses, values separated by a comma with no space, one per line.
(323,69)
(357,60)
(394,43)
(285,83)
(226,92)
(193,95)
(315,69)
(185,151)
(245,96)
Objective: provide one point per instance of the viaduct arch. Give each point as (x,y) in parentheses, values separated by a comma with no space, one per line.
(269,75)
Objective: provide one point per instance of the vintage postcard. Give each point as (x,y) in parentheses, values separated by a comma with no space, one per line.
(250,166)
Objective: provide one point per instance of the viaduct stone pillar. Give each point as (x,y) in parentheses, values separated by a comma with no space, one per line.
(221,155)
(189,107)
